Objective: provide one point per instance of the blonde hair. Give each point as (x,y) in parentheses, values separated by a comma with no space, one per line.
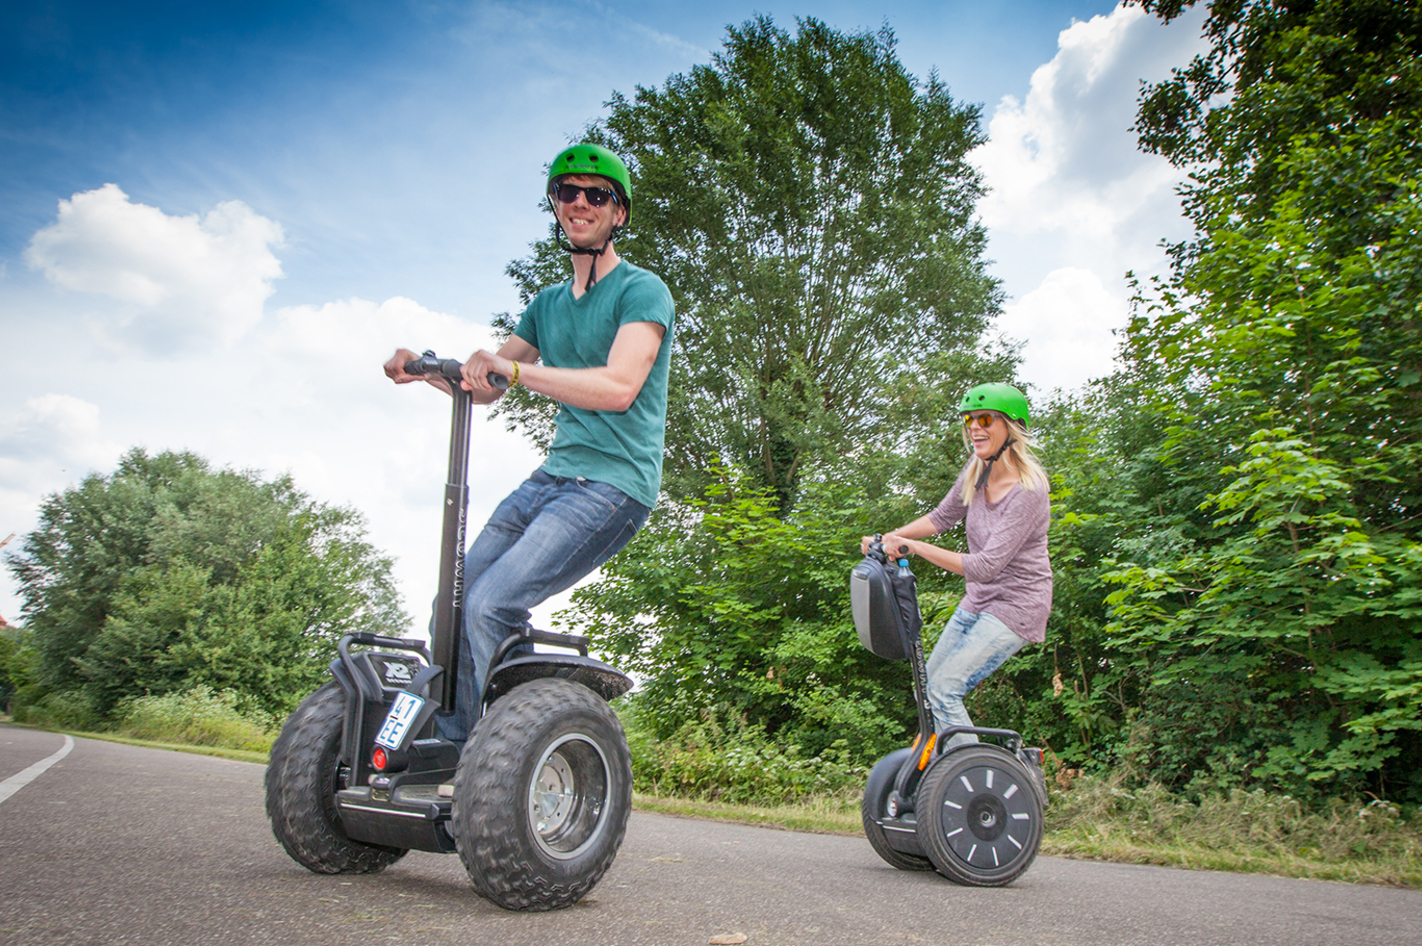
(1030,472)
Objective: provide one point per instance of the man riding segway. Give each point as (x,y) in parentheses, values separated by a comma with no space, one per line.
(391,755)
(600,345)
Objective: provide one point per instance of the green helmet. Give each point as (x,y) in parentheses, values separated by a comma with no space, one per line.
(996,396)
(594,159)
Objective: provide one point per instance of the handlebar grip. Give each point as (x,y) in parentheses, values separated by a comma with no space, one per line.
(449,368)
(430,363)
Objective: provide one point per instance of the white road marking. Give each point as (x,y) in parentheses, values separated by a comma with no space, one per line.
(20,779)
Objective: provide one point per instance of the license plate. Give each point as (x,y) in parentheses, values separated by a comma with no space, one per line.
(397,722)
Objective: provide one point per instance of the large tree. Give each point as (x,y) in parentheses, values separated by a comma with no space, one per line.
(810,204)
(166,574)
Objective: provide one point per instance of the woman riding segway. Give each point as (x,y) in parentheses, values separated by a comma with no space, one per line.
(947,803)
(1001,497)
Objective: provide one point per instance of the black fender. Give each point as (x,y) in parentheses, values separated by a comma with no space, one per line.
(597,676)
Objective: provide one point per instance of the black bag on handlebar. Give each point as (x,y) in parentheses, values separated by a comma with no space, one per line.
(884,601)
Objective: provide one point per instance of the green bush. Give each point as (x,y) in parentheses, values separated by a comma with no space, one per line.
(65,709)
(199,716)
(735,761)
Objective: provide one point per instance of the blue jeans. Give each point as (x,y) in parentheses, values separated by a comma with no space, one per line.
(971,647)
(541,540)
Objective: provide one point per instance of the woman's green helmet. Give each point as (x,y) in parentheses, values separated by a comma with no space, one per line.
(593,159)
(996,396)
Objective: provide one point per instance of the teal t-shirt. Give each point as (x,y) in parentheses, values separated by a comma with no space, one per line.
(623,448)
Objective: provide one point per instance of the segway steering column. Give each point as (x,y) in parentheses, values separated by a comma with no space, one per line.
(449,604)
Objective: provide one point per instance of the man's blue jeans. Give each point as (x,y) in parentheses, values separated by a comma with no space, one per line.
(971,647)
(546,535)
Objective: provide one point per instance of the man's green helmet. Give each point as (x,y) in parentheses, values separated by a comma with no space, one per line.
(593,159)
(996,396)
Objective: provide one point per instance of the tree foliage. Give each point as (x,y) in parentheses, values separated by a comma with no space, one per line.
(1266,602)
(810,205)
(1275,71)
(166,575)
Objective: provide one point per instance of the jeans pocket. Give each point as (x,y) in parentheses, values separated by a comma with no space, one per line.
(612,497)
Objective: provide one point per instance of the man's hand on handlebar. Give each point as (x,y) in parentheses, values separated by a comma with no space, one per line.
(482,372)
(405,366)
(395,370)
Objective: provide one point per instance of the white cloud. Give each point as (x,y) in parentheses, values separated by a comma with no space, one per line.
(1069,318)
(1073,203)
(182,277)
(60,427)
(52,440)
(1064,159)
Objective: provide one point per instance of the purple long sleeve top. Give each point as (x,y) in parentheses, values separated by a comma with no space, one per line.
(1007,570)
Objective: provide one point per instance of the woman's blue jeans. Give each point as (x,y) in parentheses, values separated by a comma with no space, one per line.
(970,647)
(541,540)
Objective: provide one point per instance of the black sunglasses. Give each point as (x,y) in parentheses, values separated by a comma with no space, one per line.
(597,196)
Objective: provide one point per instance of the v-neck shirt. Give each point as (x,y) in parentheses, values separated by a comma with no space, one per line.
(623,448)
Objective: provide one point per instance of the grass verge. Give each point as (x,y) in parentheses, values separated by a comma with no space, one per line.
(222,752)
(816,816)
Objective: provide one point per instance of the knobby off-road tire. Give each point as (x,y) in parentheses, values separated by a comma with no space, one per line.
(542,795)
(874,807)
(301,791)
(979,816)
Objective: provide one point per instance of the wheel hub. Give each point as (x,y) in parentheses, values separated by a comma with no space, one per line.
(568,795)
(552,797)
(985,816)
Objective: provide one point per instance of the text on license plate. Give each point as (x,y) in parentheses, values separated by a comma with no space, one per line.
(397,722)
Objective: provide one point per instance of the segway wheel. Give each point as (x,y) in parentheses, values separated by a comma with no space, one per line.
(874,809)
(979,817)
(542,795)
(301,791)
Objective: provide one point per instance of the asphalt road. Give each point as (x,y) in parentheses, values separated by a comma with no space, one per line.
(116,844)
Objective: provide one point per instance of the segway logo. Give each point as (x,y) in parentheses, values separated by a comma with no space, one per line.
(398,674)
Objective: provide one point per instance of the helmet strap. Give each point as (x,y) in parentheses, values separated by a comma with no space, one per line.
(987,466)
(567,246)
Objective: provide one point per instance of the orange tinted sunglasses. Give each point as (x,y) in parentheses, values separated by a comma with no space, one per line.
(982,420)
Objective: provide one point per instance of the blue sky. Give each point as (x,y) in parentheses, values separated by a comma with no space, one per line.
(219,219)
(391,140)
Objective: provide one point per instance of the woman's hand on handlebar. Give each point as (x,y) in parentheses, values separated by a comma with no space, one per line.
(894,545)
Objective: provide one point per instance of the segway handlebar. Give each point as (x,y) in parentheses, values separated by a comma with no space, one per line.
(379,640)
(876,547)
(448,368)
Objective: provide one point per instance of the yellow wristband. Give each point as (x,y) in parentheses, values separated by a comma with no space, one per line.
(514,380)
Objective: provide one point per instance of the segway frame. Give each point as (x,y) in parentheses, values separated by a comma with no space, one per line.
(393,693)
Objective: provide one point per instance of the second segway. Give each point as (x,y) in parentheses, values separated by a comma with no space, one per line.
(973,812)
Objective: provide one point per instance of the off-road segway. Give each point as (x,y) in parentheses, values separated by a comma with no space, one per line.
(972,812)
(535,804)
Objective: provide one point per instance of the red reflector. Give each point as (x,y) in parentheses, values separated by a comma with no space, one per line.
(379,759)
